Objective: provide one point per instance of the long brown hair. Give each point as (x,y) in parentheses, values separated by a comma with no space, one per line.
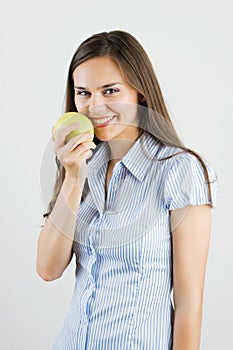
(138,71)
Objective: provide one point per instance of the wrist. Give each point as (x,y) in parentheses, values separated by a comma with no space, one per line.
(70,181)
(71,192)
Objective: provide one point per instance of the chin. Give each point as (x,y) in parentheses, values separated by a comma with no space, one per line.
(104,135)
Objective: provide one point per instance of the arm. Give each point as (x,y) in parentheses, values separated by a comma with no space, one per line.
(191,228)
(54,249)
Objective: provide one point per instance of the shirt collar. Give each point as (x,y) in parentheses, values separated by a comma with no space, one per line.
(137,160)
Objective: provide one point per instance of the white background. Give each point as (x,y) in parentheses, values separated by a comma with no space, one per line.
(190,45)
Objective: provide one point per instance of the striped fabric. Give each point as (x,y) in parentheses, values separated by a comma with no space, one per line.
(123,291)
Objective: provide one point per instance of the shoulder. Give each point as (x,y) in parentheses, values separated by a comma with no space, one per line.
(190,180)
(187,164)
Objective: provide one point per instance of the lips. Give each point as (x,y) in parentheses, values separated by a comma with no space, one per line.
(102,121)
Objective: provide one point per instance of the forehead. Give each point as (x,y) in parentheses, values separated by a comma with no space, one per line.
(97,71)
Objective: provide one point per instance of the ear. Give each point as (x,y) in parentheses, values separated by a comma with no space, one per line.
(141,98)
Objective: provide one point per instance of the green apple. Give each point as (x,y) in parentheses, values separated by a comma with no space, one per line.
(70,118)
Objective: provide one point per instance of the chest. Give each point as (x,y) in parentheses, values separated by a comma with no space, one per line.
(107,178)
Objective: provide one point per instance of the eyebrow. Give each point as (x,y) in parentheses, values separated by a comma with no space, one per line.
(100,87)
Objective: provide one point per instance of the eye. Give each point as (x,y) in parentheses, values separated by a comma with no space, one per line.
(110,91)
(82,92)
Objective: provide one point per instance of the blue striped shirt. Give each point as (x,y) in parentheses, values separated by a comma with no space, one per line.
(123,289)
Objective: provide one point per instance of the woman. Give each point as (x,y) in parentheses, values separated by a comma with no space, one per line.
(135,209)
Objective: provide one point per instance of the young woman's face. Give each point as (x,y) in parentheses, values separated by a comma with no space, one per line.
(103,95)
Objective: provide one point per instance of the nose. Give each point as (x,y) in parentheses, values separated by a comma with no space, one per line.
(96,102)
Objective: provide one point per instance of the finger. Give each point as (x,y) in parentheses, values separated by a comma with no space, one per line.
(64,131)
(64,153)
(75,142)
(80,159)
(74,161)
(88,154)
(82,148)
(78,141)
(83,137)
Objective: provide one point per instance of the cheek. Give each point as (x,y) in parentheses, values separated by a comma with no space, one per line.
(132,97)
(80,106)
(128,110)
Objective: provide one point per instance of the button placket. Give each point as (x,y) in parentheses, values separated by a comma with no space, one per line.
(113,183)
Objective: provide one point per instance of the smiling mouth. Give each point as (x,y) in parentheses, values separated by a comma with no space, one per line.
(101,121)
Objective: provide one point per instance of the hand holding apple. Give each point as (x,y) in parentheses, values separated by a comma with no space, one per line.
(73,145)
(68,118)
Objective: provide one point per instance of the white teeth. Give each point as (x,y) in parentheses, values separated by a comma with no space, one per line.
(101,121)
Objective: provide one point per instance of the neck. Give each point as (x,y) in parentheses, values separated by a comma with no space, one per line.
(120,147)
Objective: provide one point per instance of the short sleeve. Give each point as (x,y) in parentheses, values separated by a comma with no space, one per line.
(186,183)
